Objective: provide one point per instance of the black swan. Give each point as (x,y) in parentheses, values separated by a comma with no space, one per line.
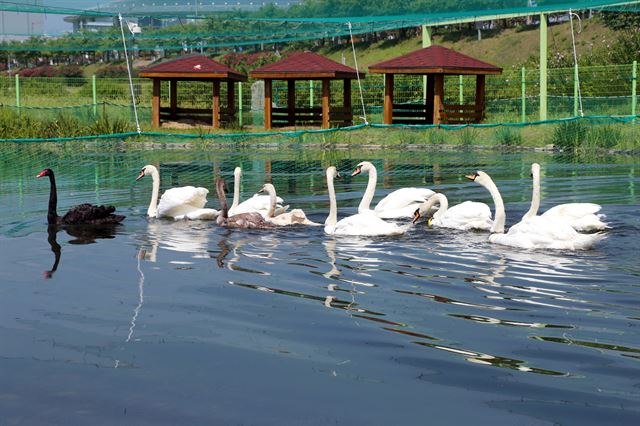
(80,214)
(251,220)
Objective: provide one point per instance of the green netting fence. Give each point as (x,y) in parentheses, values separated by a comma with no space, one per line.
(511,97)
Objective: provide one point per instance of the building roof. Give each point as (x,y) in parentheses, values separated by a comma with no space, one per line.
(434,60)
(305,65)
(193,67)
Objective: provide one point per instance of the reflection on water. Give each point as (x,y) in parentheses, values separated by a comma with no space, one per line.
(195,310)
(82,234)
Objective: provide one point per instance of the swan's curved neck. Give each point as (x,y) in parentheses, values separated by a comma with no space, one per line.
(52,214)
(152,211)
(535,196)
(332,219)
(365,204)
(224,207)
(237,176)
(499,217)
(272,202)
(439,199)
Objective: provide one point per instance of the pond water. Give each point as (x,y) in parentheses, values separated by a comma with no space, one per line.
(160,323)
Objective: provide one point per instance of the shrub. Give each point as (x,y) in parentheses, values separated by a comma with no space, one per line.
(508,137)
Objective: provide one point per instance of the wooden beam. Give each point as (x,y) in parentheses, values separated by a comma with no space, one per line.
(480,87)
(326,102)
(267,103)
(388,99)
(431,84)
(438,97)
(231,100)
(155,104)
(347,102)
(216,104)
(173,97)
(291,101)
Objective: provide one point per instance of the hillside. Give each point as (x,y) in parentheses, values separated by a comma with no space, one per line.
(507,48)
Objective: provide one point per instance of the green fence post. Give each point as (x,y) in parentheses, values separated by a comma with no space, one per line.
(426,42)
(240,103)
(575,90)
(95,95)
(310,93)
(634,93)
(523,90)
(543,66)
(18,92)
(461,87)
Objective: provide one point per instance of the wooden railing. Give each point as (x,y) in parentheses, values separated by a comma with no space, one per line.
(461,114)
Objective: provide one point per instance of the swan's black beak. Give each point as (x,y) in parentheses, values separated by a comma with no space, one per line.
(472,177)
(416,216)
(357,171)
(338,176)
(141,175)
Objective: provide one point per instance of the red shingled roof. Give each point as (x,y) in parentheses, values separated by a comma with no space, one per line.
(305,65)
(197,66)
(435,59)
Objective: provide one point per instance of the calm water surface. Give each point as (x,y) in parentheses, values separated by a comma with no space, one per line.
(163,323)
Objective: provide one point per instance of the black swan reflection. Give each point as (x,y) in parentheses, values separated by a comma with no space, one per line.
(83,213)
(83,234)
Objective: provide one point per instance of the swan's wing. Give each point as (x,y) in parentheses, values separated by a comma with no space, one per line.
(180,201)
(581,216)
(402,198)
(572,210)
(255,204)
(365,224)
(542,233)
(200,214)
(467,215)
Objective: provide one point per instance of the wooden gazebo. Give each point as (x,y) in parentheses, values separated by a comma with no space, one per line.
(192,68)
(306,66)
(435,62)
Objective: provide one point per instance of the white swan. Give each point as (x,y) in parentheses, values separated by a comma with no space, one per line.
(400,203)
(361,224)
(295,216)
(257,203)
(535,232)
(464,216)
(186,202)
(581,216)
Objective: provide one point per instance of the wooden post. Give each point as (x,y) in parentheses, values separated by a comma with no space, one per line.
(267,103)
(173,98)
(438,97)
(431,84)
(326,102)
(231,101)
(216,104)
(348,117)
(480,97)
(388,99)
(155,104)
(291,102)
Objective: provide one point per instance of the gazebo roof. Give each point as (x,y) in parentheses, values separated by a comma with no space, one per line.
(194,67)
(434,60)
(305,65)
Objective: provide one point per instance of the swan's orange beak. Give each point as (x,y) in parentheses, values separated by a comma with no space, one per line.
(357,171)
(472,177)
(416,216)
(141,175)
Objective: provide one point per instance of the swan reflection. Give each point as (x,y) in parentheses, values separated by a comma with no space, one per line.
(179,236)
(82,234)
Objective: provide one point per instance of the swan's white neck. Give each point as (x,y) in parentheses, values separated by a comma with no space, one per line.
(237,175)
(332,219)
(436,198)
(272,200)
(535,195)
(152,211)
(365,204)
(499,217)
